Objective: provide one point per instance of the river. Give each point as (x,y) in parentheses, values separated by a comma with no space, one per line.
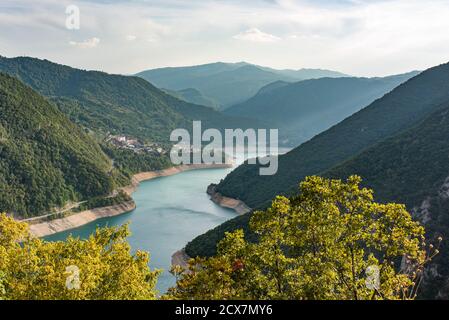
(170,212)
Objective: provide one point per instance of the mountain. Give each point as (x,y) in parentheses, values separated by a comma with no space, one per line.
(194,96)
(402,109)
(308,73)
(45,160)
(114,103)
(412,168)
(227,83)
(396,111)
(305,108)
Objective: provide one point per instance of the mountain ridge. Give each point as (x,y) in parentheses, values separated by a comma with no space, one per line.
(227,83)
(305,108)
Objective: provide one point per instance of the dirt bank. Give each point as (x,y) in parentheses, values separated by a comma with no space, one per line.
(78,219)
(239,206)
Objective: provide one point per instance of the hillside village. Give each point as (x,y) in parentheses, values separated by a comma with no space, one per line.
(135,145)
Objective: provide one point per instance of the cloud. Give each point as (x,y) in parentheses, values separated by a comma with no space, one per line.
(255,35)
(131,37)
(360,37)
(89,43)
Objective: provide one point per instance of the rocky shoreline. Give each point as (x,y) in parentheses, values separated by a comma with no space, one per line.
(79,219)
(237,205)
(180,257)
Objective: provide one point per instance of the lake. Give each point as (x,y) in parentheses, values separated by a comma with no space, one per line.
(171,211)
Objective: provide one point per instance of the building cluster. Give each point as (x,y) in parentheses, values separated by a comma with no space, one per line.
(133,144)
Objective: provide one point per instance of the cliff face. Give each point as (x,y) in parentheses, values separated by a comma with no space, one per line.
(239,206)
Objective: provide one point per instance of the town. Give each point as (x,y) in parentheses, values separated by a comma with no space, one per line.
(135,145)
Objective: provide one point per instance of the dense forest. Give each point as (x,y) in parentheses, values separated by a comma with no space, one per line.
(396,111)
(412,168)
(45,160)
(115,103)
(317,245)
(409,166)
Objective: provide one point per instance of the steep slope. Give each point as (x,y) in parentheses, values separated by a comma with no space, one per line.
(113,103)
(402,109)
(396,111)
(45,160)
(227,83)
(413,168)
(303,109)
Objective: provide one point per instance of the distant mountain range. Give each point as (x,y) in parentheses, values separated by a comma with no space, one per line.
(305,108)
(115,103)
(400,146)
(227,83)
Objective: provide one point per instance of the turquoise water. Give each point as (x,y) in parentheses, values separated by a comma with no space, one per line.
(170,212)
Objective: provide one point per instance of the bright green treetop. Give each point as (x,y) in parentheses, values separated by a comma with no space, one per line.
(329,242)
(101,267)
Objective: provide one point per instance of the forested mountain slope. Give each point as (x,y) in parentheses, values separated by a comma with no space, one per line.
(396,111)
(45,160)
(114,103)
(398,145)
(303,109)
(413,168)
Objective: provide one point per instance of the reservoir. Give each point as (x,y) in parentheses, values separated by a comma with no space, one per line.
(170,212)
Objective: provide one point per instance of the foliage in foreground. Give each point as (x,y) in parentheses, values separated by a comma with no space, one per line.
(327,243)
(101,267)
(332,241)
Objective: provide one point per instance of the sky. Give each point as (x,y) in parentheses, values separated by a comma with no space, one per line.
(357,37)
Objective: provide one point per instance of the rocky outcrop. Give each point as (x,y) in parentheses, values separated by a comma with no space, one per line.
(237,205)
(78,219)
(180,258)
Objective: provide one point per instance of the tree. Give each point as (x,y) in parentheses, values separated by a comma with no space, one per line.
(100,267)
(332,241)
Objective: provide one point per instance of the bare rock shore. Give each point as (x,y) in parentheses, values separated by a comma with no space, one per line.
(180,257)
(239,206)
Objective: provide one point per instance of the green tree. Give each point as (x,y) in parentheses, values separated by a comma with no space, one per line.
(101,267)
(329,242)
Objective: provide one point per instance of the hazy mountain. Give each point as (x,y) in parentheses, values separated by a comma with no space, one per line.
(45,160)
(308,73)
(227,83)
(400,110)
(114,103)
(305,108)
(194,96)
